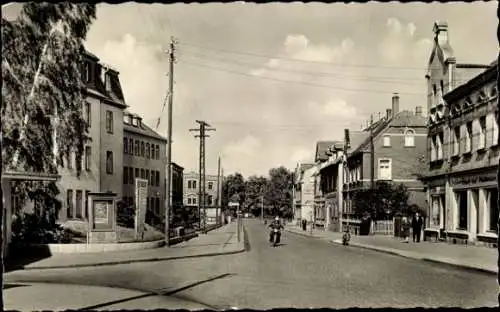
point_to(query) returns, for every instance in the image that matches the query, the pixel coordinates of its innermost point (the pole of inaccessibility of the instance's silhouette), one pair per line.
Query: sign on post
(141, 202)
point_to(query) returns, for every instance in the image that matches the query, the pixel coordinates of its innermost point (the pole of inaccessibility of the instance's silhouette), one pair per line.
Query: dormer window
(494, 92)
(468, 102)
(125, 119)
(135, 121)
(139, 122)
(107, 81)
(482, 96)
(87, 73)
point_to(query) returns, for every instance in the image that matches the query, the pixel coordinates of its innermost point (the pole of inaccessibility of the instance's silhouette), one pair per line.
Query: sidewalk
(58, 297)
(217, 242)
(470, 257)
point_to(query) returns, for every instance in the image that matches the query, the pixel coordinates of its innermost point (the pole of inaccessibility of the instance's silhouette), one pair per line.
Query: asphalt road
(303, 272)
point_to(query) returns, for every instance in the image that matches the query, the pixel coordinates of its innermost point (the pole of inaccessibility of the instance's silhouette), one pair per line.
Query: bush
(33, 229)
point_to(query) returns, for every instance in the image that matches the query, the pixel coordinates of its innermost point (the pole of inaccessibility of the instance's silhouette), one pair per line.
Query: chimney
(441, 32)
(388, 113)
(418, 111)
(395, 104)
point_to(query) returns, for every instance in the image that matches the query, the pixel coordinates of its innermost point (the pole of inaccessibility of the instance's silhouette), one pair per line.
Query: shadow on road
(9, 286)
(20, 256)
(159, 293)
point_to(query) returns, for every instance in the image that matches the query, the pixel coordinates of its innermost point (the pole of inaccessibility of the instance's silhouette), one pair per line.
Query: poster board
(141, 203)
(102, 217)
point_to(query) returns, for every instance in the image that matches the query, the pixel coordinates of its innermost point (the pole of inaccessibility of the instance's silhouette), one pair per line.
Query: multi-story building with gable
(103, 154)
(462, 146)
(191, 189)
(303, 192)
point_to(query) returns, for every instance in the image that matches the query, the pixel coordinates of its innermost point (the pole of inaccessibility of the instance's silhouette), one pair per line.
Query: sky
(274, 79)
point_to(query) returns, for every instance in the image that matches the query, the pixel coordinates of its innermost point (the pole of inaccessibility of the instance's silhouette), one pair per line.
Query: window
(109, 121)
(194, 184)
(131, 146)
(468, 137)
(157, 152)
(157, 178)
(148, 176)
(462, 210)
(88, 113)
(88, 157)
(410, 138)
(157, 208)
(69, 160)
(189, 184)
(69, 204)
(209, 200)
(384, 169)
(142, 149)
(434, 92)
(189, 201)
(493, 216)
(137, 173)
(143, 174)
(456, 141)
(439, 140)
(79, 204)
(109, 162)
(87, 74)
(495, 130)
(131, 175)
(210, 185)
(125, 175)
(435, 211)
(482, 133)
(387, 141)
(194, 201)
(137, 148)
(86, 205)
(125, 146)
(148, 151)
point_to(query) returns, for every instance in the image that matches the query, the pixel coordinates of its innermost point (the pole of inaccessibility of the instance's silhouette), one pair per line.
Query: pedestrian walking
(416, 224)
(304, 225)
(406, 229)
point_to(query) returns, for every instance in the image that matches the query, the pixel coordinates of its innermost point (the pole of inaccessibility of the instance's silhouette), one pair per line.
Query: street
(302, 272)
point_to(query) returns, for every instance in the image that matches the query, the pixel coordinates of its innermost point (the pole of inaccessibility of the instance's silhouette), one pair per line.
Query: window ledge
(468, 153)
(482, 149)
(410, 146)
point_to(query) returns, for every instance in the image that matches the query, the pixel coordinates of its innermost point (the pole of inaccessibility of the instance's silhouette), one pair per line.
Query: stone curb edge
(156, 259)
(405, 255)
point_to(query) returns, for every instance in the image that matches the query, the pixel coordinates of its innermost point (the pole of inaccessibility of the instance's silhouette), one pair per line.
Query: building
(180, 216)
(144, 158)
(103, 154)
(462, 146)
(320, 215)
(191, 189)
(399, 155)
(303, 188)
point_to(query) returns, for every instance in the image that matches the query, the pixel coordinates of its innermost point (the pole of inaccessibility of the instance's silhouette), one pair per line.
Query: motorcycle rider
(276, 224)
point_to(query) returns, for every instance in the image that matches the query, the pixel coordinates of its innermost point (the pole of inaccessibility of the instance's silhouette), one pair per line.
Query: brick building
(462, 146)
(144, 158)
(103, 154)
(399, 140)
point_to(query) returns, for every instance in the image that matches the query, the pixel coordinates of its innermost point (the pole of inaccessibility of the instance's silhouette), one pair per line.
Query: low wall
(101, 247)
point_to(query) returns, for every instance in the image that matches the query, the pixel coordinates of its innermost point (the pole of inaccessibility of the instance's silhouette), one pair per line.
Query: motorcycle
(275, 237)
(346, 237)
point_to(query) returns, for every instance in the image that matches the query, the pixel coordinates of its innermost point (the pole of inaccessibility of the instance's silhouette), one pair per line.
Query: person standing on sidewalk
(406, 229)
(416, 224)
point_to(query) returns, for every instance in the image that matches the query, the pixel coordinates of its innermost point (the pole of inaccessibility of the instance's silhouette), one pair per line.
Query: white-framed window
(468, 137)
(482, 133)
(386, 140)
(385, 169)
(189, 201)
(409, 138)
(210, 185)
(456, 141)
(436, 207)
(432, 147)
(495, 129)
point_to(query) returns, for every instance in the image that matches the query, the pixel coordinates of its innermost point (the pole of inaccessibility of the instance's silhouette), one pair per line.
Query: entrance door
(462, 210)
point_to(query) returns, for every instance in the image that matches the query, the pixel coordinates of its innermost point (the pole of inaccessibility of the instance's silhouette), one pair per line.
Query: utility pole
(347, 145)
(202, 191)
(168, 188)
(372, 156)
(218, 193)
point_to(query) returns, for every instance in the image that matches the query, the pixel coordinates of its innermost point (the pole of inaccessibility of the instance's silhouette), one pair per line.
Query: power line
(299, 60)
(380, 79)
(297, 82)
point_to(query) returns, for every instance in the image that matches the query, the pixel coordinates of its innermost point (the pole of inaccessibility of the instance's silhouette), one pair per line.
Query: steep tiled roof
(408, 119)
(304, 167)
(143, 129)
(321, 149)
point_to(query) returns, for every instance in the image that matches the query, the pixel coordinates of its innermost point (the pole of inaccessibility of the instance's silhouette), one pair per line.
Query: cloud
(394, 25)
(336, 108)
(246, 146)
(302, 156)
(411, 28)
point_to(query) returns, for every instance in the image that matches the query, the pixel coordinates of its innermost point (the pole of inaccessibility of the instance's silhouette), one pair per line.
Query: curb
(405, 254)
(240, 249)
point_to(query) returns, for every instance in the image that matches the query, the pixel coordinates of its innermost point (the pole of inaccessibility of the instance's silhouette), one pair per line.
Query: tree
(41, 78)
(254, 191)
(279, 192)
(233, 184)
(384, 201)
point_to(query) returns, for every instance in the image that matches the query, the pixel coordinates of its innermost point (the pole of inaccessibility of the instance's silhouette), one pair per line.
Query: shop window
(462, 210)
(493, 216)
